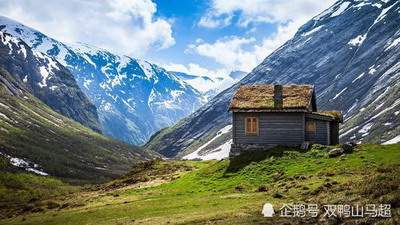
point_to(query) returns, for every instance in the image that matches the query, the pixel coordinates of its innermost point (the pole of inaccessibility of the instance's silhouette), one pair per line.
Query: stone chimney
(278, 96)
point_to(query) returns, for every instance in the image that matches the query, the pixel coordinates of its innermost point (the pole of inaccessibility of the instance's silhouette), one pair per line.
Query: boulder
(336, 152)
(347, 147)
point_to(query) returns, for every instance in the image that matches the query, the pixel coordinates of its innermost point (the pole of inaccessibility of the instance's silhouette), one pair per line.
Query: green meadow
(214, 192)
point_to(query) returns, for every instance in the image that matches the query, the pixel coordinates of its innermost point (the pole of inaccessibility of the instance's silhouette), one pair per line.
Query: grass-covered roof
(335, 114)
(261, 96)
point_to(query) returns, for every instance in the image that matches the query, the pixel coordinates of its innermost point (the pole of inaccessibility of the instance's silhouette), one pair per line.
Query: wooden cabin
(267, 115)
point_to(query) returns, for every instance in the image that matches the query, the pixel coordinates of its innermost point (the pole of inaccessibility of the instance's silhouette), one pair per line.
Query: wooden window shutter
(248, 125)
(251, 125)
(311, 126)
(254, 126)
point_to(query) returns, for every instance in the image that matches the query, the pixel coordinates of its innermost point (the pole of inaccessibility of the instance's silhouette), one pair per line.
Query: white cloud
(195, 69)
(123, 26)
(228, 52)
(212, 21)
(265, 11)
(236, 53)
(242, 53)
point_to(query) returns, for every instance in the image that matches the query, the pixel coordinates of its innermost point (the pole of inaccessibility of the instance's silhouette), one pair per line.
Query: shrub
(262, 188)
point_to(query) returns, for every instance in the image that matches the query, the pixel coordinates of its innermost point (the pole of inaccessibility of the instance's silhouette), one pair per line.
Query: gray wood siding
(321, 136)
(334, 132)
(274, 128)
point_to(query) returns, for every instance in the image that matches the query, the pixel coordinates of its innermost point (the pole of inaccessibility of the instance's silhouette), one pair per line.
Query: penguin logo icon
(268, 210)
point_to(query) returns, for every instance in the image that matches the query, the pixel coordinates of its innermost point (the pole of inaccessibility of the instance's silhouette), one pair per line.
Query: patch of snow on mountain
(338, 94)
(377, 5)
(324, 13)
(357, 41)
(312, 31)
(395, 104)
(118, 79)
(392, 141)
(86, 83)
(341, 9)
(348, 132)
(45, 74)
(372, 71)
(221, 152)
(84, 48)
(46, 70)
(359, 77)
(383, 14)
(146, 67)
(24, 164)
(196, 155)
(36, 171)
(23, 50)
(4, 116)
(394, 43)
(87, 58)
(361, 4)
(365, 129)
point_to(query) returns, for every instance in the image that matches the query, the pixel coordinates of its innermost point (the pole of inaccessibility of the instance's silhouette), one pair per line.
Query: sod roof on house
(336, 115)
(261, 97)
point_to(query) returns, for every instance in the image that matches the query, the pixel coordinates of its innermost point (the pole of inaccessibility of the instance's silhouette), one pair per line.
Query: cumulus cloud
(195, 69)
(212, 21)
(238, 53)
(245, 53)
(265, 11)
(228, 51)
(123, 26)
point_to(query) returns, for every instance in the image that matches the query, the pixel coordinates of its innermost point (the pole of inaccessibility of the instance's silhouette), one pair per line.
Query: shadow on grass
(239, 162)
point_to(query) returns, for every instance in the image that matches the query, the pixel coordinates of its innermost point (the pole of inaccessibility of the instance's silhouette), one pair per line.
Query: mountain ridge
(363, 32)
(134, 98)
(48, 80)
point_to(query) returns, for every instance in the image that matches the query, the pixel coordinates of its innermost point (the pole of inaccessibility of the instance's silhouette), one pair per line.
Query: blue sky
(186, 30)
(202, 37)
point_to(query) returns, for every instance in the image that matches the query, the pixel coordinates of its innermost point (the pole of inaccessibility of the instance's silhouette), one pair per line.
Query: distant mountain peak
(134, 97)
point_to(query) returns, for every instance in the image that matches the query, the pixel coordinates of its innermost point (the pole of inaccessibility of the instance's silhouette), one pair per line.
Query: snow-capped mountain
(47, 80)
(350, 52)
(37, 139)
(134, 98)
(210, 86)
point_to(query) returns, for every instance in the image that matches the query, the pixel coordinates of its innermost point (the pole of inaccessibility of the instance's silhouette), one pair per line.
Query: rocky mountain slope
(350, 52)
(47, 80)
(38, 139)
(134, 98)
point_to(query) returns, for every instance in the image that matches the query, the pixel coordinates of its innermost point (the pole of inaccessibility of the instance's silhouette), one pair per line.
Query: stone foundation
(237, 149)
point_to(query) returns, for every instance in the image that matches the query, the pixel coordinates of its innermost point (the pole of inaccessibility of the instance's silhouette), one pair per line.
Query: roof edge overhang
(318, 116)
(270, 110)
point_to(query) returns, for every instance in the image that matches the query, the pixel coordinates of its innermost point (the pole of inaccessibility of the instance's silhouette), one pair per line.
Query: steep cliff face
(134, 98)
(350, 52)
(47, 80)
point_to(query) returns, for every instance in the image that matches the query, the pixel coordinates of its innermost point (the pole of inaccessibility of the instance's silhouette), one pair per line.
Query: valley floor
(228, 191)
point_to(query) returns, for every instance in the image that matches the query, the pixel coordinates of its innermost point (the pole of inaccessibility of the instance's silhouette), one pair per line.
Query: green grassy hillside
(233, 191)
(59, 146)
